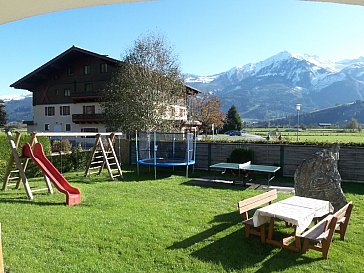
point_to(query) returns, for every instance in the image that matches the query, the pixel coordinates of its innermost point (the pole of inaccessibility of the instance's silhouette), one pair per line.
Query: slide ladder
(16, 167)
(103, 154)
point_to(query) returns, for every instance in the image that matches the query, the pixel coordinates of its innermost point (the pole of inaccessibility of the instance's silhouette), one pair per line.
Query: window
(46, 127)
(67, 93)
(70, 71)
(89, 130)
(88, 87)
(68, 127)
(173, 112)
(103, 68)
(64, 110)
(86, 69)
(89, 109)
(49, 111)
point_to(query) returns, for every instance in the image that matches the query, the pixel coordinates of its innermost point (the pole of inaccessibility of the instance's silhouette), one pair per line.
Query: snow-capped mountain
(272, 87)
(18, 107)
(17, 96)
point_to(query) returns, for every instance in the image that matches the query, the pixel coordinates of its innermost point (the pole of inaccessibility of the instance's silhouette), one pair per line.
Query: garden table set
(296, 211)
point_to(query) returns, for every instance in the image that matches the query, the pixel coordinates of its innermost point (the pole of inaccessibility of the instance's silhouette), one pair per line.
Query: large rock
(318, 177)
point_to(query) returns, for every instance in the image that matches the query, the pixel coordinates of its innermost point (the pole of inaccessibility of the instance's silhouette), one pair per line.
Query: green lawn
(314, 135)
(146, 225)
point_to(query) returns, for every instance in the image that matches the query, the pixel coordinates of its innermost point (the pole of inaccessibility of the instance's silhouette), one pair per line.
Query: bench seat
(246, 205)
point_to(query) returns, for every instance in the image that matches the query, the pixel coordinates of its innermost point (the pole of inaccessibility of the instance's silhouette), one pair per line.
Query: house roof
(39, 74)
(191, 90)
(27, 82)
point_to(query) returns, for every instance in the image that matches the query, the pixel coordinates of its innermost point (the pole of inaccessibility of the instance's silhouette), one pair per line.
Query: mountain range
(19, 107)
(340, 115)
(271, 88)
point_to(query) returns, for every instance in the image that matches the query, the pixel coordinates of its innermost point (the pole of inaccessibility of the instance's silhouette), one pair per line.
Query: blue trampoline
(165, 150)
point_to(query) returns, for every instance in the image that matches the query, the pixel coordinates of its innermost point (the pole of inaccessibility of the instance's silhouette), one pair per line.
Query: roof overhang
(350, 2)
(12, 10)
(51, 67)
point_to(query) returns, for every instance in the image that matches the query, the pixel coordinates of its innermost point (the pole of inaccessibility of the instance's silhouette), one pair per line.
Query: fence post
(130, 150)
(281, 157)
(208, 155)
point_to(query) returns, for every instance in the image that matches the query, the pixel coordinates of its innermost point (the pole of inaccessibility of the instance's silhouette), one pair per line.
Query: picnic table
(297, 211)
(248, 167)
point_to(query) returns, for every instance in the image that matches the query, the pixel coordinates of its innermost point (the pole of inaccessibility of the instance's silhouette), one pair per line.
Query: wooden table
(296, 211)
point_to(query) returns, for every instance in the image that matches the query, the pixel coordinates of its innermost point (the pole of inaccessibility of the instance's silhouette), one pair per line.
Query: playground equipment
(73, 195)
(51, 174)
(17, 173)
(103, 154)
(165, 150)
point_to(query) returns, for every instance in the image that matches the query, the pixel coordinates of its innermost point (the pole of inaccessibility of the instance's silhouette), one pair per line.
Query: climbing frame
(103, 155)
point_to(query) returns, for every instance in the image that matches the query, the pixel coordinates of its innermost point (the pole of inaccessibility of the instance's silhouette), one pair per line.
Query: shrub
(5, 152)
(241, 155)
(76, 160)
(63, 145)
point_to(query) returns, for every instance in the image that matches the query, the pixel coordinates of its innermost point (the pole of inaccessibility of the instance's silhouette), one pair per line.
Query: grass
(145, 225)
(315, 135)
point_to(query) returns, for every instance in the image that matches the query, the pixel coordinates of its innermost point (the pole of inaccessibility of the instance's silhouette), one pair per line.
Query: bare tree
(206, 108)
(145, 87)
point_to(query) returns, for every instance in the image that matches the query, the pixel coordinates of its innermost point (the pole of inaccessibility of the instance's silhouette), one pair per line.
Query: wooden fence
(287, 156)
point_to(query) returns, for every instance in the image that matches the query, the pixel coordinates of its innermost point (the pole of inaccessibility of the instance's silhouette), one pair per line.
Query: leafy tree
(2, 113)
(146, 86)
(206, 109)
(233, 120)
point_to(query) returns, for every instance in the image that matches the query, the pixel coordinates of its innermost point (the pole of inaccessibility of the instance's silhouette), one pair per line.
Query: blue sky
(209, 36)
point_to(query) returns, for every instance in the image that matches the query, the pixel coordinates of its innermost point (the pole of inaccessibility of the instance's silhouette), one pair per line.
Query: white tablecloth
(296, 210)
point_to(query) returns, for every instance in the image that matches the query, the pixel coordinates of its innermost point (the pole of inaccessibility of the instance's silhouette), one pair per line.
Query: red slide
(73, 195)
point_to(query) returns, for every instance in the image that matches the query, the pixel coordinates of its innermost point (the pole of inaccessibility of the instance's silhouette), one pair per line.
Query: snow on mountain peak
(312, 59)
(16, 96)
(285, 64)
(318, 61)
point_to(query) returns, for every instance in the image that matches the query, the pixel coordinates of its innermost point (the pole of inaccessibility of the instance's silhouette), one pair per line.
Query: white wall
(40, 119)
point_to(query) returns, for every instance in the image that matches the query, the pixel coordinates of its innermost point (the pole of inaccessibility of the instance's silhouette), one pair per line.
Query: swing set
(102, 155)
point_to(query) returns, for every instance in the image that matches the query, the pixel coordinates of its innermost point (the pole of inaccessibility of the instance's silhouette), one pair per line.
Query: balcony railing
(88, 118)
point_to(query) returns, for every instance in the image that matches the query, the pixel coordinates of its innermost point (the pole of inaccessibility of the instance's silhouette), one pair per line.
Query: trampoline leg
(155, 172)
(186, 171)
(138, 169)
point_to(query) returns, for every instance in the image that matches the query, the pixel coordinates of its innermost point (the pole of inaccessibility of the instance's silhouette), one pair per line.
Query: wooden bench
(343, 217)
(248, 204)
(319, 237)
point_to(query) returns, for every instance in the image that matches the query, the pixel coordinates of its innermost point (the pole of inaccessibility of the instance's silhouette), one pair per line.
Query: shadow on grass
(284, 259)
(18, 196)
(147, 172)
(206, 183)
(130, 174)
(235, 252)
(30, 202)
(225, 221)
(353, 188)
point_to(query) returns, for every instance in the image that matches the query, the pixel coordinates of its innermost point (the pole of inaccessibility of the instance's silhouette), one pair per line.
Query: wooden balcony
(88, 118)
(90, 98)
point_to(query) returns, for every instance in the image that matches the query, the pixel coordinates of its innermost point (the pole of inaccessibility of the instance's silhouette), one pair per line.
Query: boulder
(318, 177)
